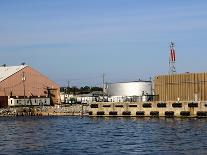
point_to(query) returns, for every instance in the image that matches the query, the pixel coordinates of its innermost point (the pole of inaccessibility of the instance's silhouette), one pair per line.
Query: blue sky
(78, 40)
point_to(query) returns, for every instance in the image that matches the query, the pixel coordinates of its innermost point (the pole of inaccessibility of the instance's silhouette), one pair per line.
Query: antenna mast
(172, 59)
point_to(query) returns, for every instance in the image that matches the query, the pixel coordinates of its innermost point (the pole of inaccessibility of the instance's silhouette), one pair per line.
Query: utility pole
(103, 85)
(23, 80)
(103, 82)
(68, 87)
(68, 92)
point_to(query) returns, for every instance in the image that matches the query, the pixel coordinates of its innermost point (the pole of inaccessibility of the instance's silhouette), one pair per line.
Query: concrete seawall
(149, 109)
(113, 109)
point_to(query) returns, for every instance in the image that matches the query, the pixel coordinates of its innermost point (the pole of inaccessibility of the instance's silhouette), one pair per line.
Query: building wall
(36, 84)
(184, 87)
(29, 102)
(3, 101)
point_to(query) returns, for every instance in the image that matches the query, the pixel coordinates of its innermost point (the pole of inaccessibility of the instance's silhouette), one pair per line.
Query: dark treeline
(81, 90)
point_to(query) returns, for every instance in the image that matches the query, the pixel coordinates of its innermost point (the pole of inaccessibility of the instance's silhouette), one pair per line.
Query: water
(76, 135)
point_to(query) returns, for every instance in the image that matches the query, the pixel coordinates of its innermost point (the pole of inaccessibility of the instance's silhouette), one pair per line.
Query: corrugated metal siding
(184, 86)
(35, 84)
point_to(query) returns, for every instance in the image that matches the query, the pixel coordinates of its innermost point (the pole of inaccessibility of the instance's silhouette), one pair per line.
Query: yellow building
(183, 87)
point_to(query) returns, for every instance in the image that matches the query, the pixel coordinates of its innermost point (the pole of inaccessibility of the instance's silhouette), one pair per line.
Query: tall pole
(103, 86)
(103, 83)
(23, 80)
(68, 87)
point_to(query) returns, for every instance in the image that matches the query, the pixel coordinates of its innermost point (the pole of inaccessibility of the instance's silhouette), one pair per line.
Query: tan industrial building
(181, 87)
(23, 80)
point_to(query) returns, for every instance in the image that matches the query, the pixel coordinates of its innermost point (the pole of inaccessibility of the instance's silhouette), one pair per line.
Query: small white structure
(34, 101)
(85, 98)
(92, 97)
(116, 99)
(65, 98)
(62, 97)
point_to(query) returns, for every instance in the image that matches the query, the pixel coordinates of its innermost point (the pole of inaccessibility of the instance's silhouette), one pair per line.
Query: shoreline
(72, 110)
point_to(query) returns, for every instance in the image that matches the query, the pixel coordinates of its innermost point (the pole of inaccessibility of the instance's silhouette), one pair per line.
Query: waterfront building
(24, 81)
(181, 87)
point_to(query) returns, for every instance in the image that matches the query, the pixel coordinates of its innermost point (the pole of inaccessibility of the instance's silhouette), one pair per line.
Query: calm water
(76, 135)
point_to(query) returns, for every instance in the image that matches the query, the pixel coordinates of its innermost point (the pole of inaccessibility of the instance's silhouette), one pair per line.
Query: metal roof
(129, 82)
(7, 71)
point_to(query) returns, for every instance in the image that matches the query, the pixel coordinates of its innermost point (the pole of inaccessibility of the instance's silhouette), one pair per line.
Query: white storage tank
(134, 88)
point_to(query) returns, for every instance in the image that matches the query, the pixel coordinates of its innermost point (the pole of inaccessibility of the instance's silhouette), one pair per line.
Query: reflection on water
(76, 135)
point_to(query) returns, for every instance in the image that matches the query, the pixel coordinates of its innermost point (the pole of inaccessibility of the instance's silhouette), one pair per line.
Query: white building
(92, 97)
(66, 98)
(34, 101)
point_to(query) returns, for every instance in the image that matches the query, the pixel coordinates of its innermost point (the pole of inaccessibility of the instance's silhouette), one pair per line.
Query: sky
(79, 40)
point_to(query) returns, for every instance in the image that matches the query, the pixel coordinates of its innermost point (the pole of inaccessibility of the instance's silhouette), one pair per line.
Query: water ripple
(76, 135)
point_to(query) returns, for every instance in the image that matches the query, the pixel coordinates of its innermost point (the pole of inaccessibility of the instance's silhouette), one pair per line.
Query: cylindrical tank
(135, 88)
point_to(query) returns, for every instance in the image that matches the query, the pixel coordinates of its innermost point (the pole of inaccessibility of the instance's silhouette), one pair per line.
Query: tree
(81, 90)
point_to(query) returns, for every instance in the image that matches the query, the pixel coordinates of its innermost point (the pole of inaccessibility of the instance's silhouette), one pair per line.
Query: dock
(149, 109)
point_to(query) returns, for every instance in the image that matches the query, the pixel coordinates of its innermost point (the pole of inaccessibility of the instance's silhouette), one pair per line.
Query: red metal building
(25, 81)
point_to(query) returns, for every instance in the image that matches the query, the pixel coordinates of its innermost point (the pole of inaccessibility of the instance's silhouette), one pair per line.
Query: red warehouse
(25, 81)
